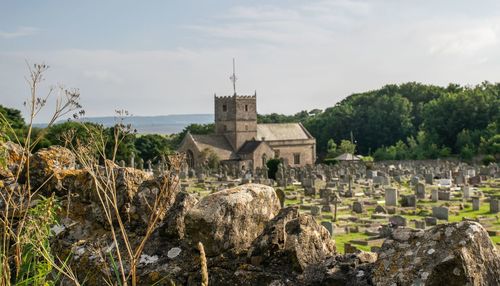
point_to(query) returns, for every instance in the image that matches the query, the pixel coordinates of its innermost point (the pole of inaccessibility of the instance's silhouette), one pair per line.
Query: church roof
(282, 131)
(249, 147)
(218, 143)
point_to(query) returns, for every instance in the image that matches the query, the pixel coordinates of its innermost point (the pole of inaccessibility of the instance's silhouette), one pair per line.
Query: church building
(239, 141)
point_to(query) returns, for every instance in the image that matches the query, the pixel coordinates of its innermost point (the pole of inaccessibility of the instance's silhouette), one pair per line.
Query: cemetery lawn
(342, 239)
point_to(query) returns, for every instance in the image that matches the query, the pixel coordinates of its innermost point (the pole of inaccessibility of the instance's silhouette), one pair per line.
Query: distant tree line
(396, 122)
(410, 121)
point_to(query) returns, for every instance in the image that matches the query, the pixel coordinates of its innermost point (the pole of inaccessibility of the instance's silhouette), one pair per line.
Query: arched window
(190, 158)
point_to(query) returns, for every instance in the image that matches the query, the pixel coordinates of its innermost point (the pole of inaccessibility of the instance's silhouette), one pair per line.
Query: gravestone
(391, 197)
(429, 179)
(325, 193)
(398, 220)
(281, 196)
(408, 201)
(494, 205)
(315, 210)
(430, 220)
(420, 191)
(467, 192)
(475, 203)
(444, 195)
(310, 191)
(459, 180)
(434, 195)
(329, 226)
(440, 212)
(357, 207)
(380, 209)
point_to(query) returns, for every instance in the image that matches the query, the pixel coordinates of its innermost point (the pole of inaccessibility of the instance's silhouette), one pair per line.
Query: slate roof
(282, 131)
(218, 143)
(249, 147)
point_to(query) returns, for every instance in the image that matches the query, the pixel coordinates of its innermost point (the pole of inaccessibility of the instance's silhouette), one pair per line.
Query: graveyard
(355, 202)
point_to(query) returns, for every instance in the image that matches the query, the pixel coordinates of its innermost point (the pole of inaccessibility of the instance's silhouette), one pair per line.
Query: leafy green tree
(347, 146)
(124, 146)
(13, 116)
(211, 158)
(152, 146)
(272, 166)
(12, 123)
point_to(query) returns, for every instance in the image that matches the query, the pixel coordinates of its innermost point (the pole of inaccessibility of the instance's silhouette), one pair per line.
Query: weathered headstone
(444, 195)
(430, 220)
(398, 220)
(310, 191)
(434, 195)
(440, 212)
(329, 226)
(315, 210)
(357, 207)
(429, 179)
(408, 201)
(380, 209)
(391, 197)
(420, 191)
(494, 205)
(467, 192)
(475, 204)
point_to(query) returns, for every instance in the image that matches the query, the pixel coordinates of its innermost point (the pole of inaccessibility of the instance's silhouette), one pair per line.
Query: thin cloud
(19, 32)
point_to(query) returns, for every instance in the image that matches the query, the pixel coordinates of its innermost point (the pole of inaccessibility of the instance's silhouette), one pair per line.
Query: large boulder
(231, 219)
(291, 240)
(449, 254)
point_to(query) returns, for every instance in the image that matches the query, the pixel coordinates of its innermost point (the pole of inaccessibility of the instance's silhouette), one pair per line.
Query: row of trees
(414, 121)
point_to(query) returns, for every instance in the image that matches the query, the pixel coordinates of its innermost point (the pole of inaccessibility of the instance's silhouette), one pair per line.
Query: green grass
(342, 239)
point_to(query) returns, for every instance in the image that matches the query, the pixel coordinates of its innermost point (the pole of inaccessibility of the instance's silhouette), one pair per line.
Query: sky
(157, 57)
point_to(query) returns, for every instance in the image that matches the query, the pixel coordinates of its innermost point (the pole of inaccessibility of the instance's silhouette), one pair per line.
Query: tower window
(225, 128)
(246, 127)
(296, 158)
(224, 108)
(246, 107)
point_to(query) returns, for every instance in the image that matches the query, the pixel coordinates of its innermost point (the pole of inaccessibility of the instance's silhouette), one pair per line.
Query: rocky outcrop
(174, 226)
(231, 219)
(248, 239)
(291, 240)
(12, 154)
(47, 164)
(449, 254)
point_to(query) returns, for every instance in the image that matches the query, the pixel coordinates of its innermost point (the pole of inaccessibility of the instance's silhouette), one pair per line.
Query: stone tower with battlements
(236, 118)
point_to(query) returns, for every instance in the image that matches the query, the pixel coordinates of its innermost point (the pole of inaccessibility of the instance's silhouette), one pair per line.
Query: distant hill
(161, 124)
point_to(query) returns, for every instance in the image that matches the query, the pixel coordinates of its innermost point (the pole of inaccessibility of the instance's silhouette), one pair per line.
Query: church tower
(236, 116)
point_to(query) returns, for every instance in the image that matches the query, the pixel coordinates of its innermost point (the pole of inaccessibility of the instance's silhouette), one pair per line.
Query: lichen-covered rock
(159, 193)
(449, 254)
(11, 156)
(174, 220)
(350, 269)
(231, 219)
(292, 239)
(47, 163)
